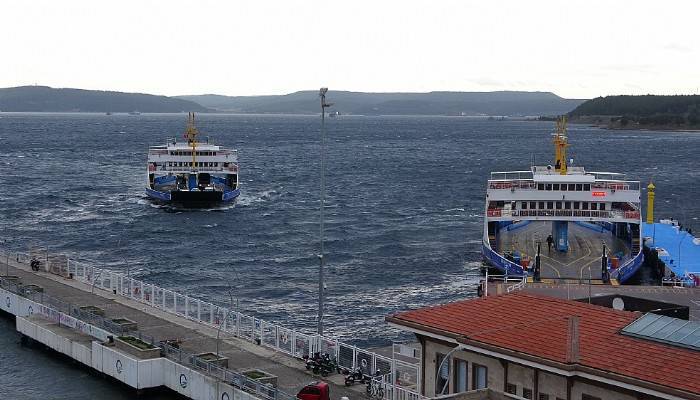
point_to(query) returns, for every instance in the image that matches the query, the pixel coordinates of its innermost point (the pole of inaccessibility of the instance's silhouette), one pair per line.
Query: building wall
(522, 376)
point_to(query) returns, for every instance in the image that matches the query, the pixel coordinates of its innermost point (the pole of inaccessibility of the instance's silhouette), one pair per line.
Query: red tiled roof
(538, 326)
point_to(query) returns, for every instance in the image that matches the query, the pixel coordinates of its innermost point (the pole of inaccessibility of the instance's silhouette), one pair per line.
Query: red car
(314, 391)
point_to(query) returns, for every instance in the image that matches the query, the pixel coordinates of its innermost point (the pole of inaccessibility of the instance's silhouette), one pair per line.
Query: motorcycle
(35, 264)
(356, 376)
(321, 364)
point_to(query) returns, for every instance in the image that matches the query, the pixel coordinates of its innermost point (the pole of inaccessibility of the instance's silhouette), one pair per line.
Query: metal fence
(286, 340)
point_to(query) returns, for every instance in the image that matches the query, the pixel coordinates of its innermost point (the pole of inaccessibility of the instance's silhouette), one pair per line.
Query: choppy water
(404, 205)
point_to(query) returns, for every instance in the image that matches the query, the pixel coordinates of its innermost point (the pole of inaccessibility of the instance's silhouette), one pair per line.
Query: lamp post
(228, 312)
(449, 373)
(322, 93)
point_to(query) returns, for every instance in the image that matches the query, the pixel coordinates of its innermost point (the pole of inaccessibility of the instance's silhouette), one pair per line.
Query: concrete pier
(47, 318)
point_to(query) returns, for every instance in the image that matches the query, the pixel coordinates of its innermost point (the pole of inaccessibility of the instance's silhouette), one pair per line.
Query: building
(545, 348)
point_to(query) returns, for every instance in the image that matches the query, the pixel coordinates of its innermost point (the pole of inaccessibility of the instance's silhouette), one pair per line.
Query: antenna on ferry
(560, 145)
(321, 284)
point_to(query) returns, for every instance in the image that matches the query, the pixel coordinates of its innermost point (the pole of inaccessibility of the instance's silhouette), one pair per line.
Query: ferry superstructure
(192, 173)
(561, 222)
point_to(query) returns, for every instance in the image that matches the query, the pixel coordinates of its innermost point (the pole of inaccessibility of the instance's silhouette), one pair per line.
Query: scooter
(356, 376)
(35, 264)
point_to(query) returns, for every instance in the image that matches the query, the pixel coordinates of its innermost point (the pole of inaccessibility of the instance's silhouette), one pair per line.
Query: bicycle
(375, 389)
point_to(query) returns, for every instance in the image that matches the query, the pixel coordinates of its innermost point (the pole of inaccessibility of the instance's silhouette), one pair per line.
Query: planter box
(126, 324)
(210, 357)
(260, 376)
(136, 347)
(93, 310)
(32, 288)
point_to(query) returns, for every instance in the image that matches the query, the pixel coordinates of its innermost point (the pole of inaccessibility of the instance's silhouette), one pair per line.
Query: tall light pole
(324, 105)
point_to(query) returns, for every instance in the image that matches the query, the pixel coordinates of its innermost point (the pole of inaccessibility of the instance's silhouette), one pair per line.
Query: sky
(576, 49)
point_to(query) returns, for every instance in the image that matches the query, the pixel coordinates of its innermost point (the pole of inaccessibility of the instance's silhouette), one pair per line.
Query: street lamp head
(323, 91)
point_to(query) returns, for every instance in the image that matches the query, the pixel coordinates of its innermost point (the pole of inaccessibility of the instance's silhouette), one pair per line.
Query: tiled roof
(538, 326)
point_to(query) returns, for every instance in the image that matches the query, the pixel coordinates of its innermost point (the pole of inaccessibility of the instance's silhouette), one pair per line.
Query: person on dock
(550, 242)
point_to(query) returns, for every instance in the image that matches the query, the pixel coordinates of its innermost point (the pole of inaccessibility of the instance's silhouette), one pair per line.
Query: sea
(404, 212)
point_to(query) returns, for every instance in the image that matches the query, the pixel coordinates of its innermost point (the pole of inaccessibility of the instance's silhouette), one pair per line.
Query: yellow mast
(560, 145)
(191, 135)
(650, 203)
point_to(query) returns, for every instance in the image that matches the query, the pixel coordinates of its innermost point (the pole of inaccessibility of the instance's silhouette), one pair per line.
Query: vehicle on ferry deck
(192, 173)
(593, 218)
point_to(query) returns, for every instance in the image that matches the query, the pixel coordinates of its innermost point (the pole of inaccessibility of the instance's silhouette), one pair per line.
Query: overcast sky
(576, 49)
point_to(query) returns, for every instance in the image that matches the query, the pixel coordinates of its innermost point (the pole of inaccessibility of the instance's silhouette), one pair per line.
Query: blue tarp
(681, 254)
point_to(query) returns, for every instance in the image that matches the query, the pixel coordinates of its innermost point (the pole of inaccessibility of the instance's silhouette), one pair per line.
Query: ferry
(192, 173)
(562, 223)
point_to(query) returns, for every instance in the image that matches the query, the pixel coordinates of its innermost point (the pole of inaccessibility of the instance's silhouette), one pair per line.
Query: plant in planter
(260, 376)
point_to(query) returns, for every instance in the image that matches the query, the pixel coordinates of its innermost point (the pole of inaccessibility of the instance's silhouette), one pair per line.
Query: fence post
(187, 306)
(199, 311)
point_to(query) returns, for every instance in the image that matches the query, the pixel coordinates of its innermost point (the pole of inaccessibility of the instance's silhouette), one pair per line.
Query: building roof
(538, 326)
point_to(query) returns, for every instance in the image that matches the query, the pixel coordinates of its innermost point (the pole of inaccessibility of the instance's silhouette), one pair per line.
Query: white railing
(277, 337)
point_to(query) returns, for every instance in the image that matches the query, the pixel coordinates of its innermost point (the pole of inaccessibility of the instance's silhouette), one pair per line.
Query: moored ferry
(192, 173)
(560, 222)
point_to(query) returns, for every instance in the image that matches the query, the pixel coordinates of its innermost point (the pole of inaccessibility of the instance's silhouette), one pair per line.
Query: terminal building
(538, 347)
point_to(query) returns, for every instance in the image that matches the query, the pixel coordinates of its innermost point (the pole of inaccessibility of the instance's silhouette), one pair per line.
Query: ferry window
(214, 153)
(579, 187)
(533, 205)
(527, 393)
(563, 186)
(479, 377)
(586, 187)
(567, 205)
(555, 186)
(550, 205)
(572, 187)
(602, 207)
(558, 205)
(584, 205)
(216, 164)
(523, 205)
(577, 205)
(594, 206)
(549, 186)
(541, 205)
(540, 186)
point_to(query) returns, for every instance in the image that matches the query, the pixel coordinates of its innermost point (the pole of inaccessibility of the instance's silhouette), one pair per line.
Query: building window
(540, 186)
(589, 397)
(442, 374)
(460, 383)
(527, 393)
(479, 377)
(543, 396)
(511, 389)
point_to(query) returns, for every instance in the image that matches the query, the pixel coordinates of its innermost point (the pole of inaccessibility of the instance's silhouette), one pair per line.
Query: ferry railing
(530, 184)
(274, 336)
(611, 214)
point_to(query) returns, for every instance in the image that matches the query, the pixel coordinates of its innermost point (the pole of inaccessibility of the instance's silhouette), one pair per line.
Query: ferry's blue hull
(194, 198)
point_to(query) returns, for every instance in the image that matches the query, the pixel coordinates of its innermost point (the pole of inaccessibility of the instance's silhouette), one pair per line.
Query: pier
(149, 337)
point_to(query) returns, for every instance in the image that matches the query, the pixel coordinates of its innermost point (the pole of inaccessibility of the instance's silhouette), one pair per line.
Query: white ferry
(561, 223)
(192, 173)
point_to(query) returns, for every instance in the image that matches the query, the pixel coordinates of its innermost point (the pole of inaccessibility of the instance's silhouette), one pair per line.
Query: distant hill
(47, 99)
(432, 103)
(645, 112)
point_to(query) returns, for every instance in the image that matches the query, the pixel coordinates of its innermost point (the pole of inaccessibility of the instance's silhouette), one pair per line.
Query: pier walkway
(155, 322)
(583, 257)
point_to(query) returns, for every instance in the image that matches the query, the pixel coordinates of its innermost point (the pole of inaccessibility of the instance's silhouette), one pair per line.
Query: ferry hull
(194, 198)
